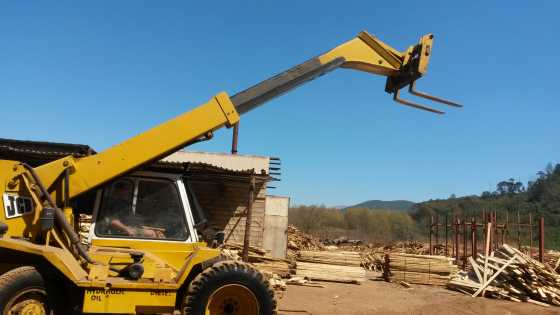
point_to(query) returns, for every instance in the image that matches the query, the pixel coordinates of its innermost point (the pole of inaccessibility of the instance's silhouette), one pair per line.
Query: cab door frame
(177, 180)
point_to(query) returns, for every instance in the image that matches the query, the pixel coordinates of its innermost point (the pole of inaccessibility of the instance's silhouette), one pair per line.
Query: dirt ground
(379, 297)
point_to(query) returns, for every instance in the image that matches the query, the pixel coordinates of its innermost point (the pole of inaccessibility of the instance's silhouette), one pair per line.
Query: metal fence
(464, 236)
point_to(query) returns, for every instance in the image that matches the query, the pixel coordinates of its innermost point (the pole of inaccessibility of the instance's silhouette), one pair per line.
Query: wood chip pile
(419, 269)
(511, 275)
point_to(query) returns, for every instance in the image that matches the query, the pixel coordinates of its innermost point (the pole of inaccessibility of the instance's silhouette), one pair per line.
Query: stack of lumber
(509, 274)
(334, 273)
(337, 266)
(343, 258)
(281, 267)
(418, 269)
(373, 257)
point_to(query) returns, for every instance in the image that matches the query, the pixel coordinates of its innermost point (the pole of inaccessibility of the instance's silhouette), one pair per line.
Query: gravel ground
(378, 297)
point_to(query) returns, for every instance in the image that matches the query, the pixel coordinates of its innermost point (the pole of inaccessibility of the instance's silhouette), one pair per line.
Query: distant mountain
(339, 207)
(399, 205)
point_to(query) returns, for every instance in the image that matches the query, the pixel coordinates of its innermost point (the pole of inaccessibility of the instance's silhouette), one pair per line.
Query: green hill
(398, 205)
(541, 197)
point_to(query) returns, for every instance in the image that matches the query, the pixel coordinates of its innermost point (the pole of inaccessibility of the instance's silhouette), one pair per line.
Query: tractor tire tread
(200, 282)
(9, 277)
(14, 278)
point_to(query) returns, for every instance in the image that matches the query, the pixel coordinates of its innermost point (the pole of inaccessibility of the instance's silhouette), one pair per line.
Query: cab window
(142, 208)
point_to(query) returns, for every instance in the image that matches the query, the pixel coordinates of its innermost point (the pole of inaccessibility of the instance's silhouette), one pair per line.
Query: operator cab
(145, 206)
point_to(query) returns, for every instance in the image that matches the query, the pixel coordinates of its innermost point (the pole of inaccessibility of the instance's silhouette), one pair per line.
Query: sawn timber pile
(511, 275)
(341, 258)
(373, 257)
(338, 266)
(418, 269)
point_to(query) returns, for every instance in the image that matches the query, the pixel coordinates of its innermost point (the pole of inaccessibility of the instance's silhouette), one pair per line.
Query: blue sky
(100, 72)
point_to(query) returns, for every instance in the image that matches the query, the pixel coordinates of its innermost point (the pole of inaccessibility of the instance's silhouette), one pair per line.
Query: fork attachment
(412, 90)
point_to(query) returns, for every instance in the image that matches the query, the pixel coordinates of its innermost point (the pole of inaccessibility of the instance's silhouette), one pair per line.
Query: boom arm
(364, 53)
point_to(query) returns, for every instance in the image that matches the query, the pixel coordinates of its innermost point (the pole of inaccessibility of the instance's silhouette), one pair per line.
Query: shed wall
(225, 203)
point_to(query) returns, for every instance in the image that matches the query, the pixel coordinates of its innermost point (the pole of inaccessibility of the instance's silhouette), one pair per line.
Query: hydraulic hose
(59, 216)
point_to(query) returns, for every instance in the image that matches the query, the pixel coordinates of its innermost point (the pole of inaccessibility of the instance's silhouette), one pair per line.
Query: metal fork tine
(397, 99)
(412, 90)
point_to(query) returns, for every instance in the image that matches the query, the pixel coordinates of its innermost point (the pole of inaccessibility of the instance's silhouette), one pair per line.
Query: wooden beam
(486, 283)
(486, 253)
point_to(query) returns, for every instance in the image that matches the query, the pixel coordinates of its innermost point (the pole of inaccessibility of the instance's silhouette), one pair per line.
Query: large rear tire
(22, 292)
(229, 288)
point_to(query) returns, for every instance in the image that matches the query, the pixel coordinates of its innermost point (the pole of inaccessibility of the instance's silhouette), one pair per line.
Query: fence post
(473, 237)
(457, 240)
(541, 239)
(465, 254)
(437, 231)
(431, 231)
(518, 231)
(530, 235)
(446, 250)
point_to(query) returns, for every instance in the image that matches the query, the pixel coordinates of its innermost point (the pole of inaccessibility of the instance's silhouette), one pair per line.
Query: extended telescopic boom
(364, 53)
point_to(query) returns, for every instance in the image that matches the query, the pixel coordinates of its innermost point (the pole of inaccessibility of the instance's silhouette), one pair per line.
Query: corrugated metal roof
(204, 170)
(234, 162)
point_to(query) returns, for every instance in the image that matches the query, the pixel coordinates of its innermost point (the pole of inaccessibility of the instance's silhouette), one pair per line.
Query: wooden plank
(486, 250)
(537, 303)
(475, 268)
(333, 279)
(486, 283)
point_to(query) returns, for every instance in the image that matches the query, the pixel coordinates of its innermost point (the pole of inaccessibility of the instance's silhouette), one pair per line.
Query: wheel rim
(30, 301)
(232, 299)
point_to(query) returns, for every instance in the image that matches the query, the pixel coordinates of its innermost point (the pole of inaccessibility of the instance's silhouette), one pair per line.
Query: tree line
(370, 225)
(540, 197)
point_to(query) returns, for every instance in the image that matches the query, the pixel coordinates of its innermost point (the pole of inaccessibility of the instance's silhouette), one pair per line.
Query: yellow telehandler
(145, 256)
